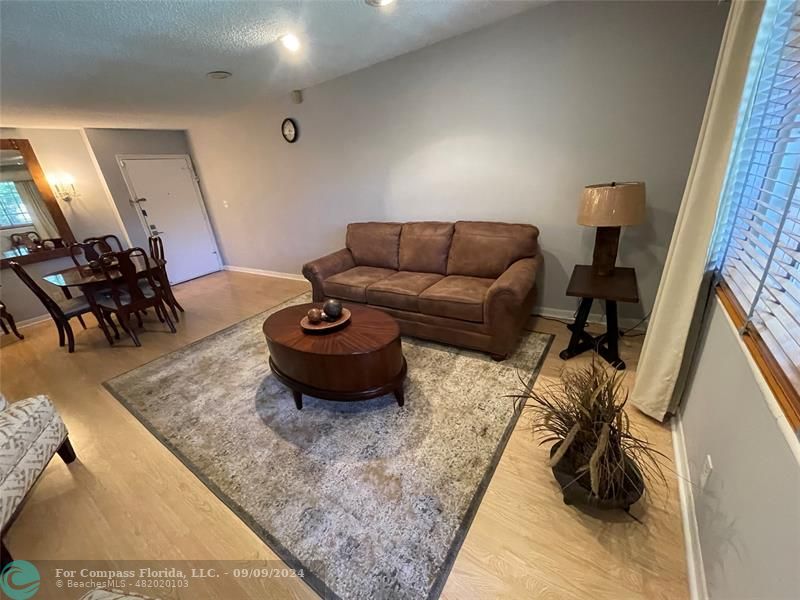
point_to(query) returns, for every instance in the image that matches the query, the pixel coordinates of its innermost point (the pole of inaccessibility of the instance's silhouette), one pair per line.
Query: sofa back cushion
(374, 244)
(424, 246)
(482, 249)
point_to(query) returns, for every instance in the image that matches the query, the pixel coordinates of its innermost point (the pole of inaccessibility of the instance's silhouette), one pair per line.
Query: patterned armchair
(31, 432)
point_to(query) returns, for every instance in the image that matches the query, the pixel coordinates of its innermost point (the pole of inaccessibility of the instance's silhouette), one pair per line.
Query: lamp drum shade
(612, 204)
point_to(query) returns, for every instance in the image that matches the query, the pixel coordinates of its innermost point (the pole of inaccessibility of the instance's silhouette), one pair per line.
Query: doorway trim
(121, 158)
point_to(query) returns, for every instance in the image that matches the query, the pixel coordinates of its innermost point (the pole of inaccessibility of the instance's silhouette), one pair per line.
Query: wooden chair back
(90, 251)
(78, 250)
(125, 278)
(157, 248)
(105, 242)
(25, 238)
(52, 307)
(53, 243)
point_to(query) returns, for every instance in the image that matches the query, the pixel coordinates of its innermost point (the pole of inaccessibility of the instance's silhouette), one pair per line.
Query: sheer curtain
(42, 219)
(685, 283)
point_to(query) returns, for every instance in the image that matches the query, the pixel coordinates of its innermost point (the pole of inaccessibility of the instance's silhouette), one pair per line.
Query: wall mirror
(32, 226)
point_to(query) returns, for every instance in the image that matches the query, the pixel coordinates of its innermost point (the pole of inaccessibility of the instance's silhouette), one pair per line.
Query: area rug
(371, 500)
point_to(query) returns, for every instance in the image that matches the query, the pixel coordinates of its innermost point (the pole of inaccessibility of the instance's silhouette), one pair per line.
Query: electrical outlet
(708, 466)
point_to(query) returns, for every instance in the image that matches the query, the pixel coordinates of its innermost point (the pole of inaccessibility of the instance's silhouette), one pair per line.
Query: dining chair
(90, 251)
(25, 238)
(53, 243)
(61, 311)
(157, 253)
(103, 242)
(132, 292)
(96, 250)
(7, 321)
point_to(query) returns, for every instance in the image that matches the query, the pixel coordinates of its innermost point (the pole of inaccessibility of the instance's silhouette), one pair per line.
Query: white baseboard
(569, 315)
(262, 272)
(33, 321)
(691, 534)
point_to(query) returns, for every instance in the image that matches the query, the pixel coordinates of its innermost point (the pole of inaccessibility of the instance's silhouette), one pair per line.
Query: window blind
(756, 250)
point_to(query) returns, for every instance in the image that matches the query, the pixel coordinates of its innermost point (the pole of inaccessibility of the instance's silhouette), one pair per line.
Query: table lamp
(609, 206)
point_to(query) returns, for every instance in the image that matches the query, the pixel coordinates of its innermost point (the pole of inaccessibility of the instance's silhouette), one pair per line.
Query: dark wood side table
(619, 286)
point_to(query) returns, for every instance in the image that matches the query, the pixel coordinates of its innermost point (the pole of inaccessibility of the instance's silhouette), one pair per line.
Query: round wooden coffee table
(362, 360)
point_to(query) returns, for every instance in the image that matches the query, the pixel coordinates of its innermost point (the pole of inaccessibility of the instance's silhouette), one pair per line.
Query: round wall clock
(289, 130)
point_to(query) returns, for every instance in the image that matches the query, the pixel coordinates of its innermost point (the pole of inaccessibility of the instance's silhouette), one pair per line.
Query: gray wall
(65, 151)
(106, 144)
(92, 212)
(749, 513)
(507, 122)
(89, 213)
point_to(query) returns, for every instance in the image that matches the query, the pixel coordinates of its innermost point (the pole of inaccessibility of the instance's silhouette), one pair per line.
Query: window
(13, 212)
(756, 249)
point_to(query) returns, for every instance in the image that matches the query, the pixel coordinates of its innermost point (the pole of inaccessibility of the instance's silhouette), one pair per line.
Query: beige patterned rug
(370, 499)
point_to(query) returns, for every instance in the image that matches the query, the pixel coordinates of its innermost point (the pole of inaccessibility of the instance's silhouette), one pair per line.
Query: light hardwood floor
(128, 497)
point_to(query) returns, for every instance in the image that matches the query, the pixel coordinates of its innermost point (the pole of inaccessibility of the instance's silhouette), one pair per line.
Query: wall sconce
(63, 185)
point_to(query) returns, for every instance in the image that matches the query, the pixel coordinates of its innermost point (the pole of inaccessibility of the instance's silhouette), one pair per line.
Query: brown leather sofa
(469, 283)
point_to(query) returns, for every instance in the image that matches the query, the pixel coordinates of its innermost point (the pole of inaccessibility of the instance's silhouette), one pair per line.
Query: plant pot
(575, 492)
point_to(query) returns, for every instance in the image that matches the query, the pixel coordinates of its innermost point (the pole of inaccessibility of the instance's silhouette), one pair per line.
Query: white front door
(169, 203)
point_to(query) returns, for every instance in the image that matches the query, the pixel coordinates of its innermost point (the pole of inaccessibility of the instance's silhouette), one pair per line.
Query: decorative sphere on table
(314, 316)
(332, 309)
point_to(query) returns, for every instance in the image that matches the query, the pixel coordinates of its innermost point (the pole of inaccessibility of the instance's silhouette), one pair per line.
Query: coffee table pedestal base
(299, 389)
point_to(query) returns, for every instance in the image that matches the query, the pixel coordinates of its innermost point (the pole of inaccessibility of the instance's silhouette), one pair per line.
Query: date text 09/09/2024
(175, 573)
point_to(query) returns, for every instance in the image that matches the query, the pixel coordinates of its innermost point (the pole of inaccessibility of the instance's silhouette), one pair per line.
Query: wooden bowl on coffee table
(360, 361)
(326, 326)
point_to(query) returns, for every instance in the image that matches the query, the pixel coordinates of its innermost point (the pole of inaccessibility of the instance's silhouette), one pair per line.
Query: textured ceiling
(86, 63)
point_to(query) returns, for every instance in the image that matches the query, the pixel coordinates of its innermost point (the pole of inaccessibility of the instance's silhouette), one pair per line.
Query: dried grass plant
(585, 411)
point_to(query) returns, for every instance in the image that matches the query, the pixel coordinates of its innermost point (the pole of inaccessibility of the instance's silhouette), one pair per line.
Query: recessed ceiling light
(379, 3)
(291, 42)
(218, 74)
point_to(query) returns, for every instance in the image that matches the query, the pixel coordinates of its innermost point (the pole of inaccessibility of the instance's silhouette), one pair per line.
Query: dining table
(90, 281)
(86, 278)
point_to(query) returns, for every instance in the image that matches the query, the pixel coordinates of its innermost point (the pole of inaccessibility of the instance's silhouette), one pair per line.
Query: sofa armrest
(509, 300)
(513, 286)
(319, 270)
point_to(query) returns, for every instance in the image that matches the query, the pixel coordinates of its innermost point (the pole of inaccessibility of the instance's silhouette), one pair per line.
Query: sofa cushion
(456, 297)
(352, 284)
(424, 246)
(487, 249)
(401, 290)
(374, 244)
